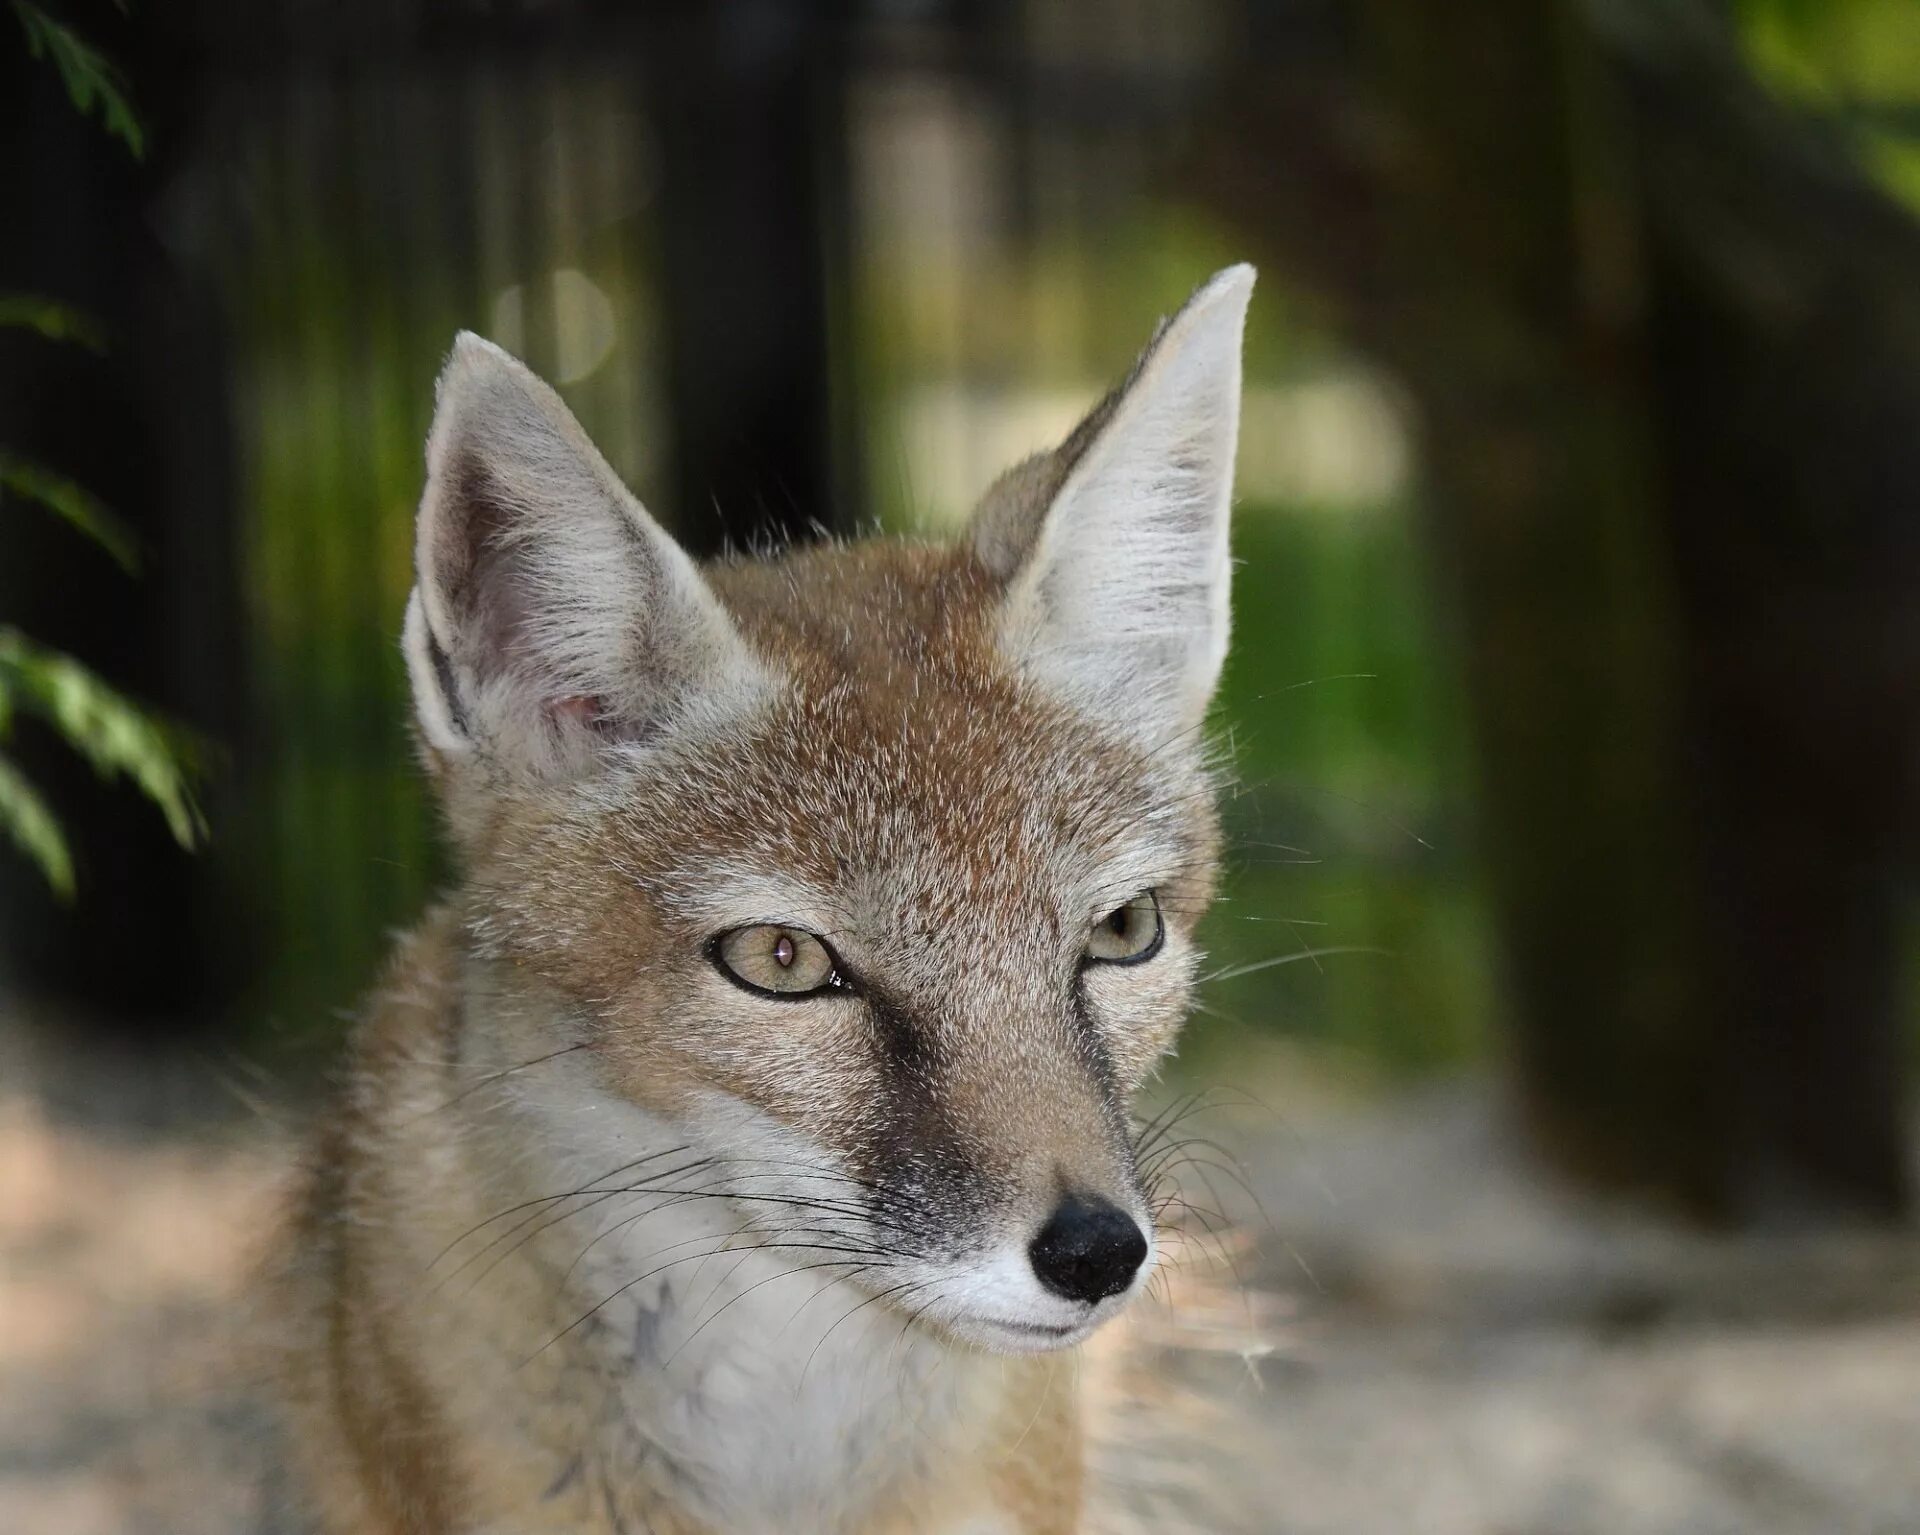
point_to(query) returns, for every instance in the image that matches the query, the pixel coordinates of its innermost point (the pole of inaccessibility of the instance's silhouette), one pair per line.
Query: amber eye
(781, 961)
(1128, 934)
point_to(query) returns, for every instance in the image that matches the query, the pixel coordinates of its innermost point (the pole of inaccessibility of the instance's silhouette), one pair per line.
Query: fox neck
(744, 1369)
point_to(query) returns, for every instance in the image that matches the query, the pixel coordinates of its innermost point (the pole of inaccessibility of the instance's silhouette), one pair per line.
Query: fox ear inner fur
(550, 613)
(1114, 547)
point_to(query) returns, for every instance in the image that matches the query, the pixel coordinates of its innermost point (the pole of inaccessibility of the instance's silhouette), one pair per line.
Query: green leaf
(90, 78)
(78, 507)
(118, 737)
(30, 826)
(52, 319)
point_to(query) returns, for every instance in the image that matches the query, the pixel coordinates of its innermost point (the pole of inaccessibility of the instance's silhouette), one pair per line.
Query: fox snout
(1015, 1190)
(1045, 1288)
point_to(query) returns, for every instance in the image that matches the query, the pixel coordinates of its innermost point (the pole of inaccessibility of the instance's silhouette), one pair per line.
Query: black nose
(1088, 1249)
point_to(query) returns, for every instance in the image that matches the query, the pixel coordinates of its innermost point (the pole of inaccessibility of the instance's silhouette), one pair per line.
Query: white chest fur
(752, 1381)
(781, 1398)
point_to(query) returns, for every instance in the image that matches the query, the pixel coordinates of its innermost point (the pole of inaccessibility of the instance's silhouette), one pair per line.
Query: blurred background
(1569, 943)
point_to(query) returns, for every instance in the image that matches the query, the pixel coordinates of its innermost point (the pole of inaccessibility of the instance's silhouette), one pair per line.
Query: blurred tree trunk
(754, 225)
(1664, 342)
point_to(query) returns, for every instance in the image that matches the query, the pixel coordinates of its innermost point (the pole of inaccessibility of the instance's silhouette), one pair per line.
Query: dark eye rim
(837, 983)
(1087, 960)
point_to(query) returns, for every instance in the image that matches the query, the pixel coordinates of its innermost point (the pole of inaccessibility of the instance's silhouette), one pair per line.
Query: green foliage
(51, 319)
(118, 737)
(78, 507)
(1854, 62)
(93, 83)
(30, 825)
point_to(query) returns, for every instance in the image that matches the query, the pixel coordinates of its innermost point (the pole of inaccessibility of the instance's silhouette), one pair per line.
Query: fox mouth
(1035, 1329)
(1022, 1321)
(1010, 1335)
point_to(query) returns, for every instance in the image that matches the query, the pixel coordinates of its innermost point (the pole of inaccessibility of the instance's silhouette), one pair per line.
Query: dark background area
(1577, 670)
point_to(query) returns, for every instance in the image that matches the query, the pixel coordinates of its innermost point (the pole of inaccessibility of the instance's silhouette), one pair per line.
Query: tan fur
(596, 1240)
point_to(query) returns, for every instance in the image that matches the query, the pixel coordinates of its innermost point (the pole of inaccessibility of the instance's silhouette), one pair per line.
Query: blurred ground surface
(1475, 1353)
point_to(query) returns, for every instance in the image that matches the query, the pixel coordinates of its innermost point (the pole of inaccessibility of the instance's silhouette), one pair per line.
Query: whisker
(735, 1300)
(599, 1197)
(607, 1300)
(1234, 972)
(493, 1077)
(547, 1199)
(878, 1295)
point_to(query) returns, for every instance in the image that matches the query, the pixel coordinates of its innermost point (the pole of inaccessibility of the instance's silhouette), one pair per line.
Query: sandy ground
(123, 1257)
(1417, 1336)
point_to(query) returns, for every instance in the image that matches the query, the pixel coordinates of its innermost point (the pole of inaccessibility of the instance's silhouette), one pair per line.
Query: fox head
(869, 870)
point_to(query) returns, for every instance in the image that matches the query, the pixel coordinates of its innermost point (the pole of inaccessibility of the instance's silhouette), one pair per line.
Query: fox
(743, 1145)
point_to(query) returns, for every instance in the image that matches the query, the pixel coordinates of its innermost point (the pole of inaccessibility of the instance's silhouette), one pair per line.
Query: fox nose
(1088, 1249)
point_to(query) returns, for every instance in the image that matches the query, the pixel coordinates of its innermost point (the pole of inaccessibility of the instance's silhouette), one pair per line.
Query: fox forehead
(901, 768)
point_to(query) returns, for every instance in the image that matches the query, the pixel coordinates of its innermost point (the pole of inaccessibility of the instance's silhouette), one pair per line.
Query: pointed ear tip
(469, 342)
(477, 370)
(1216, 315)
(1231, 287)
(473, 353)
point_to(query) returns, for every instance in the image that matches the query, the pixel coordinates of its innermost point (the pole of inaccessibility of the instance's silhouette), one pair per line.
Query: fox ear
(1114, 548)
(550, 614)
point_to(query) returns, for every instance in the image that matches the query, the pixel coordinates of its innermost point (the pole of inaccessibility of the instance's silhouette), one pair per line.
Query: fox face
(865, 875)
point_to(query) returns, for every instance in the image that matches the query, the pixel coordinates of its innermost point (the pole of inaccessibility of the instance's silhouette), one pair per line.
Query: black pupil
(783, 951)
(1119, 920)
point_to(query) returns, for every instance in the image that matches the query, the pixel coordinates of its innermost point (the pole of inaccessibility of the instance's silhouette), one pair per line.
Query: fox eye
(779, 961)
(1129, 934)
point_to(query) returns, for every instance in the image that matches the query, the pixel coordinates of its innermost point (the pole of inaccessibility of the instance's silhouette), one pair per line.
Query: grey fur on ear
(1114, 549)
(549, 611)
